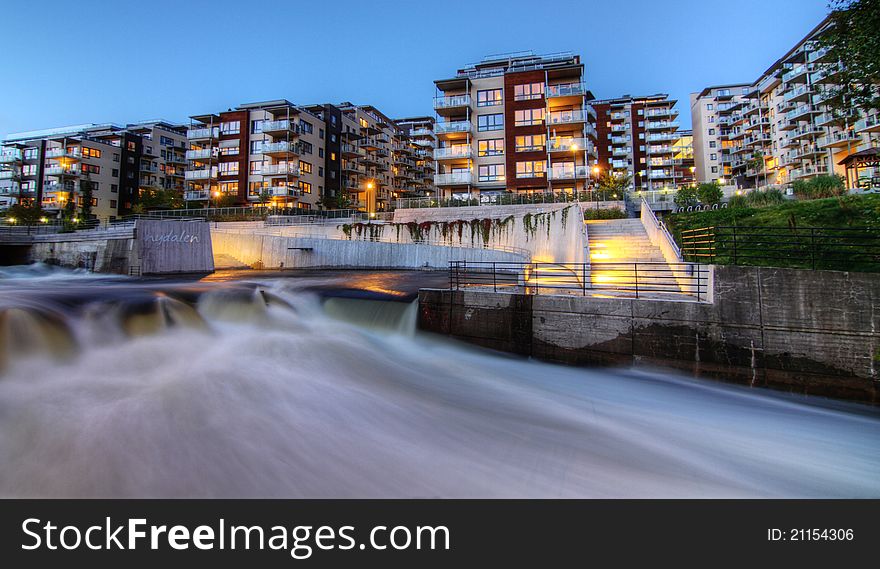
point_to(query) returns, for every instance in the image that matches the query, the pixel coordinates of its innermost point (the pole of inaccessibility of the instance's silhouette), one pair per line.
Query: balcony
(798, 74)
(196, 195)
(200, 154)
(618, 140)
(421, 132)
(818, 55)
(869, 124)
(805, 132)
(565, 90)
(280, 128)
(205, 174)
(452, 153)
(662, 125)
(451, 103)
(204, 133)
(568, 144)
(10, 157)
(568, 172)
(284, 192)
(661, 113)
(149, 167)
(350, 151)
(662, 136)
(10, 189)
(567, 117)
(826, 74)
(452, 127)
(71, 153)
(61, 171)
(13, 174)
(619, 127)
(453, 179)
(281, 148)
(660, 174)
(839, 139)
(620, 152)
(800, 112)
(799, 95)
(655, 150)
(175, 158)
(279, 170)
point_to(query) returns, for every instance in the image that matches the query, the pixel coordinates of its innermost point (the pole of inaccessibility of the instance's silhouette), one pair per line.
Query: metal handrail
(674, 281)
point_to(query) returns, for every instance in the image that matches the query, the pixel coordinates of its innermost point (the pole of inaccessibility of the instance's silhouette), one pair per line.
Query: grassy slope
(861, 212)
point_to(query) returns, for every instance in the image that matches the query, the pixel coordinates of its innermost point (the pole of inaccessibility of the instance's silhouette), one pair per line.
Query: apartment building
(516, 122)
(711, 112)
(684, 168)
(310, 157)
(636, 138)
(414, 156)
(778, 130)
(163, 162)
(53, 167)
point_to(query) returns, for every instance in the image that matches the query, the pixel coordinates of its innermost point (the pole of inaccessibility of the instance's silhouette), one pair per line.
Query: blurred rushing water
(128, 388)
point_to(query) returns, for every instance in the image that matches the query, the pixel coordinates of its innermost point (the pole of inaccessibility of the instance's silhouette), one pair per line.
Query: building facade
(711, 112)
(310, 157)
(414, 156)
(514, 123)
(637, 138)
(777, 130)
(56, 167)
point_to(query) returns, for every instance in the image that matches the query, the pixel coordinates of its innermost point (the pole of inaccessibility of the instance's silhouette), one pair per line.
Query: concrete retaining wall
(275, 251)
(422, 214)
(99, 255)
(812, 332)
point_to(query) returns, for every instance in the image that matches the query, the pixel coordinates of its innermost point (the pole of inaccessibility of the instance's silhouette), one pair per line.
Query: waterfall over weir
(314, 387)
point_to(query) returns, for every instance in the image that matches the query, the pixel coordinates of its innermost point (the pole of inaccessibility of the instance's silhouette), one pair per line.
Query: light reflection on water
(216, 389)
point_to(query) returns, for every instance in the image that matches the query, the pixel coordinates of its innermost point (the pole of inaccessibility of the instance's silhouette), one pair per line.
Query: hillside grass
(791, 245)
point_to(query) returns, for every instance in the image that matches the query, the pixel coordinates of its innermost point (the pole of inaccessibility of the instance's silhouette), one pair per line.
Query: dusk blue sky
(88, 61)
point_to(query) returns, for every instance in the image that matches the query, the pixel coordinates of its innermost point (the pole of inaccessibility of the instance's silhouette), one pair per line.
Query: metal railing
(511, 198)
(671, 281)
(826, 248)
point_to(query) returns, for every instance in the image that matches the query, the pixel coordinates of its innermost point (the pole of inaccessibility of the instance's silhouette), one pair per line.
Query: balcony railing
(283, 126)
(282, 147)
(196, 195)
(452, 127)
(279, 170)
(568, 144)
(200, 133)
(284, 191)
(868, 124)
(663, 136)
(452, 101)
(10, 156)
(663, 125)
(452, 153)
(839, 138)
(10, 189)
(61, 171)
(565, 90)
(64, 153)
(567, 117)
(568, 172)
(200, 154)
(457, 178)
(421, 132)
(206, 174)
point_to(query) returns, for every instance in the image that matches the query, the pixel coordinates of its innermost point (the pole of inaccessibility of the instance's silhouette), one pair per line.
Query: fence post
(584, 278)
(734, 246)
(636, 279)
(536, 278)
(494, 278)
(813, 247)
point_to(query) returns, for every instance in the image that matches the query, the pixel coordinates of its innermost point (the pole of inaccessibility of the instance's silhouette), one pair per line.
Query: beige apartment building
(514, 123)
(711, 112)
(310, 157)
(163, 162)
(54, 167)
(777, 130)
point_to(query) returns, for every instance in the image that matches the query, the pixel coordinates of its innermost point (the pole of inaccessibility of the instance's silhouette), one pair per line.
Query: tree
(87, 195)
(155, 197)
(710, 193)
(265, 196)
(686, 196)
(853, 41)
(25, 214)
(610, 182)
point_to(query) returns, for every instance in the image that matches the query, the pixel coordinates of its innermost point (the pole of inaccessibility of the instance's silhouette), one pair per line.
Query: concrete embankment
(148, 247)
(814, 332)
(232, 248)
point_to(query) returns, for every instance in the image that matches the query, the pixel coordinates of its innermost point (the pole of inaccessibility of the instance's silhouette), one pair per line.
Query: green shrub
(738, 202)
(765, 198)
(826, 186)
(685, 197)
(609, 213)
(710, 193)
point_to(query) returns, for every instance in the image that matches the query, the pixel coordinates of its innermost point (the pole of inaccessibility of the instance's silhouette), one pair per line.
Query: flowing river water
(319, 386)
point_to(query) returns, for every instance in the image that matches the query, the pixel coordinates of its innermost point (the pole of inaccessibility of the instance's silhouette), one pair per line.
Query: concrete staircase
(625, 241)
